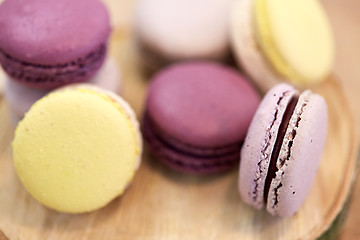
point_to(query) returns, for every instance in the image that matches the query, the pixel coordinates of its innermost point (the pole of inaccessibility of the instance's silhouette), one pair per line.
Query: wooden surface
(162, 204)
(166, 205)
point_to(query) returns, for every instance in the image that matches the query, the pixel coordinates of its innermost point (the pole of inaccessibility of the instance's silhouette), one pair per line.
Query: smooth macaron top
(184, 29)
(50, 31)
(202, 103)
(295, 38)
(77, 148)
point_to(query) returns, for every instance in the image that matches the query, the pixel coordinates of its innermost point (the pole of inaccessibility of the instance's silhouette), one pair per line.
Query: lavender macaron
(197, 115)
(50, 43)
(282, 150)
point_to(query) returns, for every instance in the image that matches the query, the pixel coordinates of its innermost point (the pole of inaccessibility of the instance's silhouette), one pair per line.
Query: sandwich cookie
(77, 148)
(277, 40)
(197, 115)
(282, 150)
(170, 31)
(48, 43)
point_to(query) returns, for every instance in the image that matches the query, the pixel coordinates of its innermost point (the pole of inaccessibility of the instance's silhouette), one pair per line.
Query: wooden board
(162, 204)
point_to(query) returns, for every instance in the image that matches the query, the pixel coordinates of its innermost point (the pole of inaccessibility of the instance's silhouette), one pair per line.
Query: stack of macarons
(46, 44)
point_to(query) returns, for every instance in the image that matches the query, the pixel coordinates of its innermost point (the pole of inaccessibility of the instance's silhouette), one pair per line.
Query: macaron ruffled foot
(282, 150)
(65, 41)
(197, 115)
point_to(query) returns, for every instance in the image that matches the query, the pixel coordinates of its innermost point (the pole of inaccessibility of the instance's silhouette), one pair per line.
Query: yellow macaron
(77, 148)
(292, 40)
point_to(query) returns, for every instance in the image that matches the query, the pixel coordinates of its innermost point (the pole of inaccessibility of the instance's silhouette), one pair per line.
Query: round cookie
(197, 115)
(77, 148)
(278, 40)
(65, 41)
(169, 31)
(282, 150)
(20, 97)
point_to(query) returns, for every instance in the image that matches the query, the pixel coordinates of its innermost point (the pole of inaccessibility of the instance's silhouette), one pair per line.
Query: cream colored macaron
(277, 40)
(77, 148)
(171, 31)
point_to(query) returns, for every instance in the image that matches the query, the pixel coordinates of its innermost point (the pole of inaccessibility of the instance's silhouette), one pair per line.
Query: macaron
(49, 43)
(77, 148)
(282, 150)
(197, 115)
(170, 31)
(20, 97)
(280, 40)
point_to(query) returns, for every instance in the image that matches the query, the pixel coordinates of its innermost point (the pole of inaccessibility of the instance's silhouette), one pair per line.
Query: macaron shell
(299, 157)
(295, 36)
(20, 97)
(68, 164)
(128, 111)
(246, 49)
(259, 143)
(203, 104)
(59, 31)
(184, 29)
(181, 158)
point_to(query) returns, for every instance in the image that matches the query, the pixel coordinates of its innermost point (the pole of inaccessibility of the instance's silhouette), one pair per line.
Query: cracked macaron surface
(282, 150)
(48, 43)
(197, 115)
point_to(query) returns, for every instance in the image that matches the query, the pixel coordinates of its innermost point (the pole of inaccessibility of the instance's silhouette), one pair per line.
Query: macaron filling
(183, 155)
(51, 76)
(278, 143)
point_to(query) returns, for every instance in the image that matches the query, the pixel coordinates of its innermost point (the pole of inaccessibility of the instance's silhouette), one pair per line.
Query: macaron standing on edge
(197, 115)
(282, 150)
(63, 43)
(77, 148)
(171, 31)
(280, 40)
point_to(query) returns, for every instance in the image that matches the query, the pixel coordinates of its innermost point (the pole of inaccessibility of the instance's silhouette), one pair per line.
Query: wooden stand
(163, 205)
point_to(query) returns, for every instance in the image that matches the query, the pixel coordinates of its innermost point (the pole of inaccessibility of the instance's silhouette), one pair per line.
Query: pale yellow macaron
(276, 40)
(77, 148)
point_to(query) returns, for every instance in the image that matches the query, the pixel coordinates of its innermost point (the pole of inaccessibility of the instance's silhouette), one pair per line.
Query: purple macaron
(197, 115)
(50, 43)
(282, 150)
